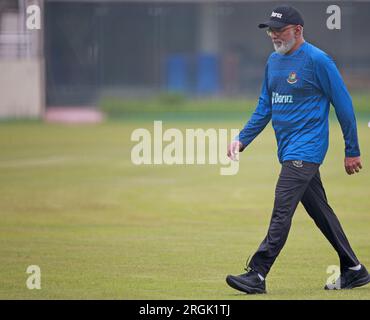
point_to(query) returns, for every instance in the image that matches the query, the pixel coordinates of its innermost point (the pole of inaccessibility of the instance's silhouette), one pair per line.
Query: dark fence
(128, 49)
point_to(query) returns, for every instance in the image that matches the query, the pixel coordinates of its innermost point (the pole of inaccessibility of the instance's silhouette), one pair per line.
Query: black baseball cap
(283, 16)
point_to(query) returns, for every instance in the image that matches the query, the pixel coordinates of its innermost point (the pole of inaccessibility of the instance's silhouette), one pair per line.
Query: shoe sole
(233, 283)
(358, 283)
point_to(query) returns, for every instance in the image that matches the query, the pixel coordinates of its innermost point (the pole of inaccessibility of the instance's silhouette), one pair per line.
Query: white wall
(22, 92)
(21, 88)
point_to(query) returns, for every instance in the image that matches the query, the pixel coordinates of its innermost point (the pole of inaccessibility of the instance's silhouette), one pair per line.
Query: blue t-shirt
(296, 94)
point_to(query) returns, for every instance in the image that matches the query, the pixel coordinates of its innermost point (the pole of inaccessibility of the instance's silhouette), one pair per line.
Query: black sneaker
(350, 279)
(248, 282)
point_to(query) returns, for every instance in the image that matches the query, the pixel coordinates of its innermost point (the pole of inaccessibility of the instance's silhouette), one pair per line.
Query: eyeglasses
(278, 32)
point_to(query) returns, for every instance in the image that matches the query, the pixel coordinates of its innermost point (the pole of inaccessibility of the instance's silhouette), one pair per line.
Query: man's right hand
(233, 149)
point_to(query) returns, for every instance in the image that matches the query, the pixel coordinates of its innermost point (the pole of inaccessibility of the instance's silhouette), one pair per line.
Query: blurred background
(73, 203)
(95, 54)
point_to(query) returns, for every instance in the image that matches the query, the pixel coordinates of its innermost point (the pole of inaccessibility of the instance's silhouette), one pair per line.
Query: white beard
(284, 47)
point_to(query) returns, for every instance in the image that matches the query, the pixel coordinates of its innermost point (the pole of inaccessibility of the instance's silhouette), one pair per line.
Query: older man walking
(300, 83)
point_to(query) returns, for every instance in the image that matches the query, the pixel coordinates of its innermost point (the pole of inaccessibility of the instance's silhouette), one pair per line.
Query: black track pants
(300, 181)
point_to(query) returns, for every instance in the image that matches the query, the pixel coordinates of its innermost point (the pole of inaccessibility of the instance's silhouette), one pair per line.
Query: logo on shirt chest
(292, 78)
(281, 98)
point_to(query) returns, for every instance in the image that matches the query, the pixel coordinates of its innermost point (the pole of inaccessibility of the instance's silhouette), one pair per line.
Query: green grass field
(100, 227)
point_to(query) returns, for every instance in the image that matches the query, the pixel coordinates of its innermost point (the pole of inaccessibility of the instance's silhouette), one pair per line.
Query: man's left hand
(352, 164)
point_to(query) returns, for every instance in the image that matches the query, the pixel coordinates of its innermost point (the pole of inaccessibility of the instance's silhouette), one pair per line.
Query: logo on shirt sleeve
(292, 78)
